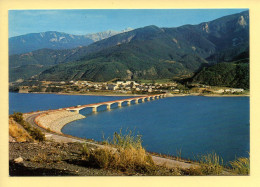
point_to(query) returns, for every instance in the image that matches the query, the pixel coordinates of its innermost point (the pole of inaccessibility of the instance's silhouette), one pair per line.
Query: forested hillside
(145, 53)
(231, 74)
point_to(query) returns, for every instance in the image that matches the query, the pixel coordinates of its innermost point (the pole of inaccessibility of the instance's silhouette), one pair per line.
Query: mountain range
(55, 40)
(144, 53)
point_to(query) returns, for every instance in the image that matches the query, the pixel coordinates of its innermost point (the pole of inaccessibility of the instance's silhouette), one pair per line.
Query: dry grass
(193, 171)
(241, 166)
(124, 159)
(40, 157)
(211, 164)
(124, 153)
(18, 133)
(34, 132)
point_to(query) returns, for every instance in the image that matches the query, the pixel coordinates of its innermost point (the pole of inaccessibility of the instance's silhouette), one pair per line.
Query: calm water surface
(193, 125)
(19, 102)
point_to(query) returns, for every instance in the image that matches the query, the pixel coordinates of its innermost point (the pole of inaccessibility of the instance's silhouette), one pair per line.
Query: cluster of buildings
(123, 87)
(201, 88)
(88, 86)
(229, 90)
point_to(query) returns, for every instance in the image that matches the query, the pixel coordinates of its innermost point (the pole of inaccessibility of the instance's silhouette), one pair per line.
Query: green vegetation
(34, 132)
(25, 72)
(183, 88)
(230, 74)
(42, 57)
(236, 53)
(159, 81)
(55, 89)
(148, 53)
(126, 62)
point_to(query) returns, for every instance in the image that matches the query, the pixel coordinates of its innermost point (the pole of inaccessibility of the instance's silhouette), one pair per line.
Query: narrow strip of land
(52, 136)
(51, 122)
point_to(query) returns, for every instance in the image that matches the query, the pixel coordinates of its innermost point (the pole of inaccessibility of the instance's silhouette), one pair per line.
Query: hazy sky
(91, 21)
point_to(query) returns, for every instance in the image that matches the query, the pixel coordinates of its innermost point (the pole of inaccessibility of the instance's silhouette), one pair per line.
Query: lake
(192, 125)
(22, 102)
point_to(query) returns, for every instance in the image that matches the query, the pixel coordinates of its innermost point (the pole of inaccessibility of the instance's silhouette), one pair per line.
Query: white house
(112, 87)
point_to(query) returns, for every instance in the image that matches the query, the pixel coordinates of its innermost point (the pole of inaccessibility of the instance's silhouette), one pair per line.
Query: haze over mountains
(144, 53)
(55, 40)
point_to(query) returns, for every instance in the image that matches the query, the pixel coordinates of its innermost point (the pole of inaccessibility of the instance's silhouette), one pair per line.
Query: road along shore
(46, 120)
(56, 120)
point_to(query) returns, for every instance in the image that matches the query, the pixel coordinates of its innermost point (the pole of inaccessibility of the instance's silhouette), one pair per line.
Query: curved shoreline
(60, 137)
(55, 120)
(54, 117)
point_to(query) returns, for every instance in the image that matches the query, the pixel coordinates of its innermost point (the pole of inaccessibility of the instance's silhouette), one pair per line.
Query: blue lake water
(193, 125)
(19, 102)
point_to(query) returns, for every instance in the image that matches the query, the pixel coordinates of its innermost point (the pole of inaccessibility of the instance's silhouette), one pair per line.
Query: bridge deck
(110, 102)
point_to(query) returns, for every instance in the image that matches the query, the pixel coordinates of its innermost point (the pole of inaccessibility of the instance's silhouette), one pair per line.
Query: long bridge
(51, 118)
(119, 103)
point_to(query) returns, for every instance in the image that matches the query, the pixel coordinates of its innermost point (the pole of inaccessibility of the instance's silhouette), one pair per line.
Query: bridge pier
(94, 109)
(109, 106)
(119, 104)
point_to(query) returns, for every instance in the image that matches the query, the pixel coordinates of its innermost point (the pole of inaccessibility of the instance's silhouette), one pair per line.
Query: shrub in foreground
(18, 133)
(37, 134)
(124, 153)
(211, 164)
(34, 132)
(241, 166)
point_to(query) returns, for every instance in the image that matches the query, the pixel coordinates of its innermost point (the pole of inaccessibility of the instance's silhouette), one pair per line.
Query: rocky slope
(50, 159)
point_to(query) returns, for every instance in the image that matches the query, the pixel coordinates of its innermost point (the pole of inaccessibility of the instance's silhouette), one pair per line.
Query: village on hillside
(119, 87)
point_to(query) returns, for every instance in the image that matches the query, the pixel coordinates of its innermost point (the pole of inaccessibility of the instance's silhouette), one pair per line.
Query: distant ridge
(55, 40)
(145, 53)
